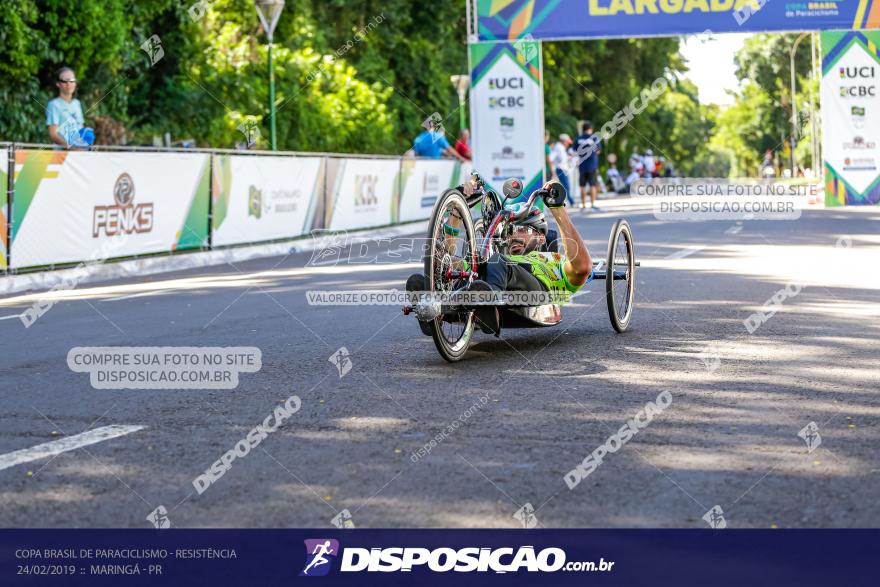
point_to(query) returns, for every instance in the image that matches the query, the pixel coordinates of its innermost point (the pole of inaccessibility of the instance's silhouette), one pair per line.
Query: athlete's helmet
(535, 219)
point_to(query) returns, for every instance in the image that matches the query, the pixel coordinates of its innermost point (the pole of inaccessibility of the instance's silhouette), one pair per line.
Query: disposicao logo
(320, 554)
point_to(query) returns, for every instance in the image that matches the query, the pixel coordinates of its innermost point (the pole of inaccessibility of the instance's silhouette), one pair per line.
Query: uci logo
(513, 83)
(866, 71)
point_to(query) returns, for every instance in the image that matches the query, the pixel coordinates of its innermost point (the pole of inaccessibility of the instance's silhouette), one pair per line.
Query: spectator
(559, 162)
(649, 163)
(614, 178)
(548, 166)
(768, 170)
(432, 143)
(462, 146)
(588, 149)
(64, 115)
(636, 166)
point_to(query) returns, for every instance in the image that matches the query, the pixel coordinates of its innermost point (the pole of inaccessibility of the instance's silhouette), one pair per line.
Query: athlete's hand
(553, 194)
(470, 187)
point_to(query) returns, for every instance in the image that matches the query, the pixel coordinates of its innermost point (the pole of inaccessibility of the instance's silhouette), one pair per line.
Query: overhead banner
(594, 19)
(507, 113)
(71, 206)
(365, 193)
(4, 202)
(421, 183)
(258, 198)
(851, 117)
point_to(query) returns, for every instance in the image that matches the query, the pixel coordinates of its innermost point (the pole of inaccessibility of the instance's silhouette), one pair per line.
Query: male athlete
(527, 268)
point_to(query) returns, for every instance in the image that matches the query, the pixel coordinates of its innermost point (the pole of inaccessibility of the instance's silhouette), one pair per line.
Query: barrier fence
(66, 207)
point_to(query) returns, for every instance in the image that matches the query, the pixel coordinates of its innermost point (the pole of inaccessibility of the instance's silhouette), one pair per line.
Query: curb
(68, 278)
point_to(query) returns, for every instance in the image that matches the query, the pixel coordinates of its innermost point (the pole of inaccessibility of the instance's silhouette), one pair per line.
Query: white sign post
(507, 112)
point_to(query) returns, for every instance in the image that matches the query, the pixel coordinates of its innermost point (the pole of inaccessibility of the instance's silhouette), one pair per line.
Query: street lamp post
(461, 83)
(269, 12)
(794, 113)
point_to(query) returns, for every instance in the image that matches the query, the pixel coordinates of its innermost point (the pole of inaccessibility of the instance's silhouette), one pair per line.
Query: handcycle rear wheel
(445, 253)
(620, 273)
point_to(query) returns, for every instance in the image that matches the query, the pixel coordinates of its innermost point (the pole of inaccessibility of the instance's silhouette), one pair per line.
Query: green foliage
(760, 119)
(361, 76)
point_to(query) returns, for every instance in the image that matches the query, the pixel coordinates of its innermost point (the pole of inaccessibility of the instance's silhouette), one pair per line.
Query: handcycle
(452, 258)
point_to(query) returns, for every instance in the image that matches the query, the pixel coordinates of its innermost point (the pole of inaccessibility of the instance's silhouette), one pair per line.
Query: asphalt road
(530, 406)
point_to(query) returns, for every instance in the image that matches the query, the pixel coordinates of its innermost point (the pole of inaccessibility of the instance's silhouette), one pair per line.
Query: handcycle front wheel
(620, 275)
(451, 243)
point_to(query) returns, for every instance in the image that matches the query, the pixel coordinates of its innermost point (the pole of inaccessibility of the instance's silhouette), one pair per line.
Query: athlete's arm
(578, 264)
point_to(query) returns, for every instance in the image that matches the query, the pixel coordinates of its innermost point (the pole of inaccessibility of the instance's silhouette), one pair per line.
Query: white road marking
(685, 252)
(74, 442)
(735, 229)
(11, 317)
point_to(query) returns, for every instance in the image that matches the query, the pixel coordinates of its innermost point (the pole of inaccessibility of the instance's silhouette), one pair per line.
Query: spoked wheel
(620, 275)
(451, 249)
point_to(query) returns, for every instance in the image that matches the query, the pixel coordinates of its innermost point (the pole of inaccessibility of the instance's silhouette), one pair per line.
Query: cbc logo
(858, 91)
(507, 102)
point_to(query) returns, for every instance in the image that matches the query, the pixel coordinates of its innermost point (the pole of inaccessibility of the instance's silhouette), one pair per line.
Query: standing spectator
(588, 149)
(432, 143)
(64, 115)
(462, 145)
(635, 163)
(768, 170)
(649, 163)
(548, 166)
(559, 161)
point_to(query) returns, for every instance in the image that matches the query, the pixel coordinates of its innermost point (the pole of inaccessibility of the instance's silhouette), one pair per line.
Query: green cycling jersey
(548, 268)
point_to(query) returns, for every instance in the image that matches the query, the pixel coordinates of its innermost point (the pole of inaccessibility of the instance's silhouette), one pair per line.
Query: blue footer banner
(439, 557)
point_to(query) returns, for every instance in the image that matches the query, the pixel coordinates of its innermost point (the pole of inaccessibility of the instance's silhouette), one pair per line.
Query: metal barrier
(118, 202)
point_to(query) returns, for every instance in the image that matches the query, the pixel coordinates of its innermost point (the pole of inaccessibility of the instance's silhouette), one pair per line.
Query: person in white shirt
(650, 164)
(559, 161)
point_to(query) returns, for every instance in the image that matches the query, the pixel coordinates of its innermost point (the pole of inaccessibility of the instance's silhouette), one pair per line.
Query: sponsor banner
(851, 117)
(89, 206)
(4, 203)
(422, 181)
(507, 113)
(365, 193)
(594, 19)
(345, 555)
(259, 198)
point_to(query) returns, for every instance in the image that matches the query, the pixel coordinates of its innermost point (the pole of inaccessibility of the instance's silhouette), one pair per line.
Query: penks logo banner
(851, 117)
(86, 206)
(593, 19)
(507, 113)
(259, 198)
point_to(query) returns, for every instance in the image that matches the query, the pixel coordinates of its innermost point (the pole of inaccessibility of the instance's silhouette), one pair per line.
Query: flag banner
(530, 557)
(507, 113)
(600, 19)
(851, 117)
